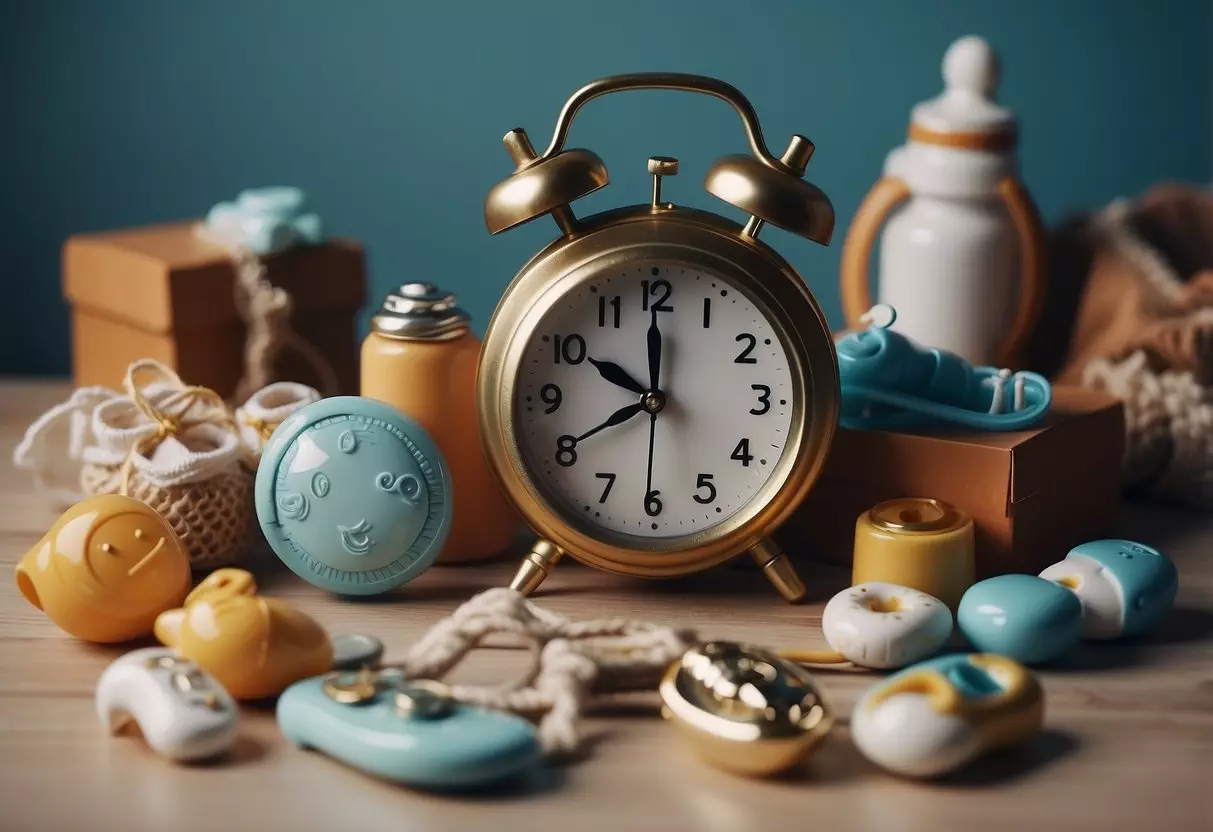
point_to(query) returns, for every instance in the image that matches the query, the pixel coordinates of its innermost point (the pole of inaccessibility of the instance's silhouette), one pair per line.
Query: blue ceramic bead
(353, 496)
(1125, 588)
(1022, 616)
(463, 747)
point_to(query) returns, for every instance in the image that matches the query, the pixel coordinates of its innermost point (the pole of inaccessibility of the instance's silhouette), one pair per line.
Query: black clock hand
(654, 353)
(617, 375)
(617, 418)
(648, 481)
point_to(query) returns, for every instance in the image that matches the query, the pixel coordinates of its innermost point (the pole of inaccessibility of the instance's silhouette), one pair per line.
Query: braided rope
(571, 661)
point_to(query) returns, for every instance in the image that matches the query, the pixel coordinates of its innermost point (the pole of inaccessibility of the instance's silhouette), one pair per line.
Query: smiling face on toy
(107, 567)
(355, 487)
(121, 553)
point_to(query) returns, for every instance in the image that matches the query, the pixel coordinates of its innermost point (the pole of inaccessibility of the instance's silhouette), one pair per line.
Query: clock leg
(535, 566)
(779, 570)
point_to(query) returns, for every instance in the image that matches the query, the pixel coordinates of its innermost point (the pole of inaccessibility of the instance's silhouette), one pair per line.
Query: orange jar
(421, 358)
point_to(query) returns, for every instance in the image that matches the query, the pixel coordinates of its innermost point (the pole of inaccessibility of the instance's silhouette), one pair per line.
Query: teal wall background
(390, 115)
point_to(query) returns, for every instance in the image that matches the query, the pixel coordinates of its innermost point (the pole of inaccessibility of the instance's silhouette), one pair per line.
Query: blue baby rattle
(888, 382)
(353, 496)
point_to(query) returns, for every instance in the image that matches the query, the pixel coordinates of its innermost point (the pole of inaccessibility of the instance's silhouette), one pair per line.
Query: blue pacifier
(890, 383)
(353, 496)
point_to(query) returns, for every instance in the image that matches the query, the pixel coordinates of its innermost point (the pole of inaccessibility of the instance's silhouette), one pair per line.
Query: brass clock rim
(707, 241)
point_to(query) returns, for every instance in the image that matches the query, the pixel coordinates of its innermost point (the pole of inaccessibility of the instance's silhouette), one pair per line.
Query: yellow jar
(421, 358)
(917, 542)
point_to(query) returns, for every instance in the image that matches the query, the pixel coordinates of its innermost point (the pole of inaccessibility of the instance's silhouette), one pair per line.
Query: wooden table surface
(1128, 740)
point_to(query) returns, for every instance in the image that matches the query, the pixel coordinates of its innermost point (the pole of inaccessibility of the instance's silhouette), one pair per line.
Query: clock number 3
(764, 399)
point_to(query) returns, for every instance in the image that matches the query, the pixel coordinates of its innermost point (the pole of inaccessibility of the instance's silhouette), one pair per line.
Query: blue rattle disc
(353, 496)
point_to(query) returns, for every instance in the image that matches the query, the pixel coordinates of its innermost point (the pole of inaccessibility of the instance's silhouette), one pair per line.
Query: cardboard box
(162, 292)
(1033, 495)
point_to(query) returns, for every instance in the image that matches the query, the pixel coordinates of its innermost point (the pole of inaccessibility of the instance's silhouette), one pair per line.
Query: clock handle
(680, 81)
(777, 566)
(536, 566)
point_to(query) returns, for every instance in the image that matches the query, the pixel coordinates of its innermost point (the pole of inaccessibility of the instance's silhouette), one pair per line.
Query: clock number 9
(566, 451)
(551, 395)
(652, 505)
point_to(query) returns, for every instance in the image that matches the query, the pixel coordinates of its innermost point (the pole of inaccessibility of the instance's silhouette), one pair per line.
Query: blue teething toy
(265, 220)
(430, 743)
(1125, 588)
(353, 496)
(890, 383)
(1030, 619)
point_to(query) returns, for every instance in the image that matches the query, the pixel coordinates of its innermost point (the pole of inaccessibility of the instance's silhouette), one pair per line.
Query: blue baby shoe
(1022, 616)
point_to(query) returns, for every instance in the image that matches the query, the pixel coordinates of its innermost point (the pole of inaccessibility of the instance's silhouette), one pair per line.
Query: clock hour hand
(617, 418)
(617, 375)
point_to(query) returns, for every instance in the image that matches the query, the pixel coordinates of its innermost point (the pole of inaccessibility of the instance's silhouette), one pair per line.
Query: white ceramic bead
(882, 625)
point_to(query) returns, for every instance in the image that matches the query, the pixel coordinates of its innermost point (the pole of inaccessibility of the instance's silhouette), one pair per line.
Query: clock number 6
(652, 505)
(705, 481)
(764, 399)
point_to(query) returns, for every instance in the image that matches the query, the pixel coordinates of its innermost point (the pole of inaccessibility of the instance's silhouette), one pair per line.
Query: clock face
(654, 400)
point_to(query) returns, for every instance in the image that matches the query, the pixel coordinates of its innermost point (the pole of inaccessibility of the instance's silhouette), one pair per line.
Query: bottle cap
(966, 115)
(420, 311)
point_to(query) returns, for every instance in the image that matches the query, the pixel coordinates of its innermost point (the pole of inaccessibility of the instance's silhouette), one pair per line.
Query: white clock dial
(723, 410)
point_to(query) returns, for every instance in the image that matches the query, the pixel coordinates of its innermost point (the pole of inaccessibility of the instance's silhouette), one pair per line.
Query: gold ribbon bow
(186, 406)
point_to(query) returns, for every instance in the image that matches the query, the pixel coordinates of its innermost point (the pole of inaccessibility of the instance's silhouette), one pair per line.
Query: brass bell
(541, 187)
(779, 197)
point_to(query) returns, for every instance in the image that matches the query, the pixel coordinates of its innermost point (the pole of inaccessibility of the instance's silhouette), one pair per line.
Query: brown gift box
(162, 292)
(1033, 495)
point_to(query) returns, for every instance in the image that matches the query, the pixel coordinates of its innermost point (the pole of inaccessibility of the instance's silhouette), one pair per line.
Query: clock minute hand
(617, 375)
(617, 418)
(654, 353)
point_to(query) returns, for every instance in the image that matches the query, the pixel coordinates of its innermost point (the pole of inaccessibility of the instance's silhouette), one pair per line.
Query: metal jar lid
(420, 311)
(916, 514)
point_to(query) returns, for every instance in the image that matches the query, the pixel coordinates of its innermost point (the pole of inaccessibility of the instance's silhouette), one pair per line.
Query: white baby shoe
(268, 408)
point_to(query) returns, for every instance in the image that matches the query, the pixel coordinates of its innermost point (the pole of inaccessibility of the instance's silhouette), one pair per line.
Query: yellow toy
(107, 567)
(254, 646)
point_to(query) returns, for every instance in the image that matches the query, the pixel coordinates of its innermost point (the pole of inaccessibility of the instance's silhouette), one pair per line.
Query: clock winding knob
(661, 166)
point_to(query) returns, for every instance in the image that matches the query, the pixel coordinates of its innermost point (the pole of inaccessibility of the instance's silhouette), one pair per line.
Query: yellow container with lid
(421, 357)
(918, 542)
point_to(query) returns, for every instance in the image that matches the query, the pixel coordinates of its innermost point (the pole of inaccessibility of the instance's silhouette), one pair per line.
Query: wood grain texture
(1128, 745)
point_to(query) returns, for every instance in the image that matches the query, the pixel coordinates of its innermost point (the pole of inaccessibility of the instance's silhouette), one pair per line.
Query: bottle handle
(1032, 268)
(856, 288)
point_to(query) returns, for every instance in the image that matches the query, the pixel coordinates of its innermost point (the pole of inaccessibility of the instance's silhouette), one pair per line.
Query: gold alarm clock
(657, 388)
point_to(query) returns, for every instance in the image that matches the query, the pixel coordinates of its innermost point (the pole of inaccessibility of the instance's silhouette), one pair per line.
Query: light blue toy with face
(406, 733)
(888, 382)
(1022, 616)
(353, 496)
(1125, 588)
(265, 220)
